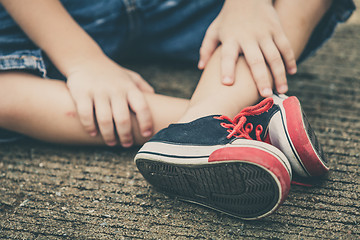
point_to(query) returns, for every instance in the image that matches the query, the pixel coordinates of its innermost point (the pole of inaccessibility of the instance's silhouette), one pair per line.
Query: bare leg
(211, 97)
(299, 19)
(43, 109)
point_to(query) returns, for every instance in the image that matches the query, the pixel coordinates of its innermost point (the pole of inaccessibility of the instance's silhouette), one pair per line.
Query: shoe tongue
(207, 130)
(263, 120)
(267, 137)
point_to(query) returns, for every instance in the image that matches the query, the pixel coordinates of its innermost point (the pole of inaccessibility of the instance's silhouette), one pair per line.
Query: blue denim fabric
(171, 29)
(175, 29)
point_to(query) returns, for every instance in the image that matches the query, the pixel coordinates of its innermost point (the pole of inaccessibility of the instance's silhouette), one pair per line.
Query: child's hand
(251, 28)
(104, 93)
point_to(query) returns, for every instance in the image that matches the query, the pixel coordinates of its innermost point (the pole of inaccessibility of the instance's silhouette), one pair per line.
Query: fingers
(115, 113)
(208, 47)
(276, 65)
(277, 55)
(108, 112)
(286, 52)
(255, 59)
(229, 57)
(122, 120)
(121, 113)
(139, 106)
(85, 109)
(104, 119)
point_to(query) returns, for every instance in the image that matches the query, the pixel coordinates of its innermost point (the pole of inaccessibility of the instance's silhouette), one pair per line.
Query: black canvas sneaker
(215, 163)
(285, 126)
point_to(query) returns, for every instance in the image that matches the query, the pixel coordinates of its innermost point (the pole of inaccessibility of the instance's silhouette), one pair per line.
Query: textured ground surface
(51, 192)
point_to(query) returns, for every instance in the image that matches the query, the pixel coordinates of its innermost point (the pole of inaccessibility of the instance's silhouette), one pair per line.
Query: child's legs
(44, 109)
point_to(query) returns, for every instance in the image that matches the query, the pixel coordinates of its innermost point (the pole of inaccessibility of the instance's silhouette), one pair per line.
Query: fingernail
(266, 92)
(227, 80)
(147, 133)
(283, 89)
(126, 145)
(111, 143)
(292, 70)
(201, 64)
(93, 133)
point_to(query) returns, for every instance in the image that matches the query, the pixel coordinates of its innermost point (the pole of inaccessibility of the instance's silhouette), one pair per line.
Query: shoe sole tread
(236, 188)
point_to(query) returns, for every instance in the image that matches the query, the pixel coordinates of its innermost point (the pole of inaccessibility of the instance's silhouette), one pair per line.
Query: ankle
(215, 107)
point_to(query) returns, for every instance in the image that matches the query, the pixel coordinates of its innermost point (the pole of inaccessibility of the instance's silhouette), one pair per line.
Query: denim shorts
(163, 29)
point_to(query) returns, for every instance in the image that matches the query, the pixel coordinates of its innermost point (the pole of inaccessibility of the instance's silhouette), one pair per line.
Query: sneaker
(214, 163)
(8, 136)
(285, 126)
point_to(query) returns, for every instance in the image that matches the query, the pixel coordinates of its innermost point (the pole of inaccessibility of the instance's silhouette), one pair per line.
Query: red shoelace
(236, 126)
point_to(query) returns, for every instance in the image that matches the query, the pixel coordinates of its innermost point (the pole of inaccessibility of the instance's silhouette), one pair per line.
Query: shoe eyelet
(249, 127)
(259, 129)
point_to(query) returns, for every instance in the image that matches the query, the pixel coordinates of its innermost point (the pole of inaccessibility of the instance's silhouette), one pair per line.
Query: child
(246, 50)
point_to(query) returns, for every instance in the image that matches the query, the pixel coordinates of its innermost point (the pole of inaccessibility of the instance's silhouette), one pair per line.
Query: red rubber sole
(298, 129)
